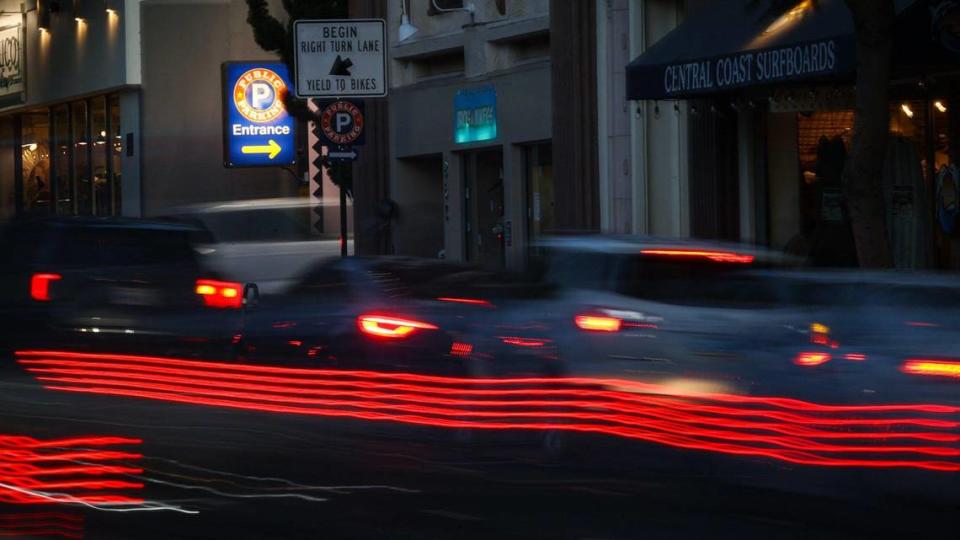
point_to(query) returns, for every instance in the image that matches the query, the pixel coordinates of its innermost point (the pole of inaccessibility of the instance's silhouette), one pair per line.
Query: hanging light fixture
(406, 30)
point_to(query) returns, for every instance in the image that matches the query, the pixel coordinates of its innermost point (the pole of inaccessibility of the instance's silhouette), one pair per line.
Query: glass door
(484, 208)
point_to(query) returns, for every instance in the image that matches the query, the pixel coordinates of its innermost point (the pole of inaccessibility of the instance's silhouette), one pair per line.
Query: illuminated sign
(475, 115)
(258, 132)
(11, 60)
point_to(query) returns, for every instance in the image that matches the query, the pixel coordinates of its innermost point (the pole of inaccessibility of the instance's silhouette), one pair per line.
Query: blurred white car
(266, 241)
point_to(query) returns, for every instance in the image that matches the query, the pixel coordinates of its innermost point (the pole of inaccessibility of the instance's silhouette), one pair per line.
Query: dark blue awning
(733, 44)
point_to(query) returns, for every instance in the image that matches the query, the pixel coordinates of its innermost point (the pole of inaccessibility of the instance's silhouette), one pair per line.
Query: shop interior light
(940, 106)
(907, 110)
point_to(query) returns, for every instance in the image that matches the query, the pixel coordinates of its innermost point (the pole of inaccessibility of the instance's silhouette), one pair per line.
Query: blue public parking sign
(257, 131)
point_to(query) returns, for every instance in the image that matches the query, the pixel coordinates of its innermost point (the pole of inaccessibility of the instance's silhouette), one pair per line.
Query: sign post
(257, 131)
(340, 58)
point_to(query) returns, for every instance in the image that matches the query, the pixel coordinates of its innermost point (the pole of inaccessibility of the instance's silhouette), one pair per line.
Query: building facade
(471, 162)
(117, 108)
(733, 120)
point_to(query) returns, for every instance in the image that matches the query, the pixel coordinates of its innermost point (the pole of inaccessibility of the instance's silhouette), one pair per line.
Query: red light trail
(899, 435)
(41, 525)
(72, 470)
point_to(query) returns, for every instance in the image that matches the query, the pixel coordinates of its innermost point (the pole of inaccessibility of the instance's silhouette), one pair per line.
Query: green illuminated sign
(475, 115)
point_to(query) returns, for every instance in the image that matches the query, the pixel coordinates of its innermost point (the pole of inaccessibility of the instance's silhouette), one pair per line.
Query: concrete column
(131, 170)
(784, 175)
(747, 174)
(515, 205)
(573, 53)
(453, 206)
(8, 177)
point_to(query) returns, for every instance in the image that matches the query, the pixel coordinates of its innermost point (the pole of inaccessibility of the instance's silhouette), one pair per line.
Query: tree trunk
(874, 21)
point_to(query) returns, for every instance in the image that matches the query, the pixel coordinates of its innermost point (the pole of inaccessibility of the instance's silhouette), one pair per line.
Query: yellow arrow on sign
(271, 148)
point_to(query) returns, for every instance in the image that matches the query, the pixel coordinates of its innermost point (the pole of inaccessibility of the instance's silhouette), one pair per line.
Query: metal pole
(343, 219)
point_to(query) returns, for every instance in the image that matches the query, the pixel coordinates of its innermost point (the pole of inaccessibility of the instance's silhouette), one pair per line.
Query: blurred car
(269, 242)
(115, 284)
(655, 309)
(399, 314)
(706, 316)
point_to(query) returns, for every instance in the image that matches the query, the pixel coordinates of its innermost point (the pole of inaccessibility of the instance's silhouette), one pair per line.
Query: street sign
(342, 123)
(343, 154)
(340, 58)
(257, 130)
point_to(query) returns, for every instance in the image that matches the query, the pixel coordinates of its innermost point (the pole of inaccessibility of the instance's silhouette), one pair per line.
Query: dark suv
(114, 283)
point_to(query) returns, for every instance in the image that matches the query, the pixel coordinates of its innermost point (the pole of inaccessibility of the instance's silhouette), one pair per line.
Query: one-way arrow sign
(345, 154)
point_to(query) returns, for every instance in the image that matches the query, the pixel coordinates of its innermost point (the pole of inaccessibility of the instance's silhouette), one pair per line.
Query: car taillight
(812, 358)
(517, 341)
(471, 301)
(715, 256)
(462, 350)
(596, 323)
(932, 368)
(40, 286)
(390, 327)
(220, 294)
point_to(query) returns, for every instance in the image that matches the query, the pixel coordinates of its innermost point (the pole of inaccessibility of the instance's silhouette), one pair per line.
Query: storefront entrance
(484, 208)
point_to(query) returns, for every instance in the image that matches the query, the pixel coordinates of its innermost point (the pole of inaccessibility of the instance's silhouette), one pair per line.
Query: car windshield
(416, 269)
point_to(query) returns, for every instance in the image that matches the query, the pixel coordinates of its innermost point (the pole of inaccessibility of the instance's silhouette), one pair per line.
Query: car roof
(839, 276)
(252, 205)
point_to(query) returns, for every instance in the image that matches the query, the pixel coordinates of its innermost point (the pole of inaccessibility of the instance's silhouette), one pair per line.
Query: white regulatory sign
(340, 58)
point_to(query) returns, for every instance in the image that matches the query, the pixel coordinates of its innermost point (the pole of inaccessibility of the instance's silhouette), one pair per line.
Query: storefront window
(35, 154)
(71, 158)
(115, 143)
(99, 153)
(62, 159)
(81, 159)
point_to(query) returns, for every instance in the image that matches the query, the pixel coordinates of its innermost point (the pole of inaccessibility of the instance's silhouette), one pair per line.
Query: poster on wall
(12, 60)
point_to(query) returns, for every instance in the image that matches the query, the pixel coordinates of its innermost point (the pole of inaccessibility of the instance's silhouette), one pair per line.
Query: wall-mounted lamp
(44, 9)
(406, 30)
(111, 6)
(78, 13)
(907, 110)
(468, 7)
(940, 106)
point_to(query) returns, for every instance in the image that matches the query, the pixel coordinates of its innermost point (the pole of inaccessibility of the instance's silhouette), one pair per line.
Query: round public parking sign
(341, 122)
(258, 95)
